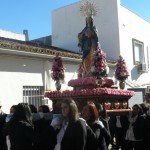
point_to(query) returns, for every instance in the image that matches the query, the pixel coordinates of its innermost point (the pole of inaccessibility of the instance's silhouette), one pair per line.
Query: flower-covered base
(114, 100)
(90, 82)
(95, 92)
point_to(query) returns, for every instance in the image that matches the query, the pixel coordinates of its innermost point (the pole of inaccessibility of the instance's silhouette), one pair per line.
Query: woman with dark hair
(12, 109)
(44, 109)
(19, 128)
(102, 115)
(11, 112)
(134, 134)
(33, 108)
(44, 135)
(72, 131)
(91, 115)
(103, 118)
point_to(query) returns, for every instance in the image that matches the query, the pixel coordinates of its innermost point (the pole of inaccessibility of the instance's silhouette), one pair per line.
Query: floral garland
(121, 71)
(99, 63)
(58, 69)
(88, 92)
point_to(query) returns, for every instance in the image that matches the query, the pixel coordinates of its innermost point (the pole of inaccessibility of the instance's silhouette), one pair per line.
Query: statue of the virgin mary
(88, 38)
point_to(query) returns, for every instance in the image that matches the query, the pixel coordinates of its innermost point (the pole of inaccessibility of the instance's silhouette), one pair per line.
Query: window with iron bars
(34, 95)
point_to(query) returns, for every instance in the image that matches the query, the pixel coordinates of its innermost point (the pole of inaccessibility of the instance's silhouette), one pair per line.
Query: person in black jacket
(146, 134)
(103, 115)
(120, 125)
(44, 135)
(134, 134)
(91, 115)
(19, 128)
(72, 130)
(103, 118)
(91, 141)
(2, 124)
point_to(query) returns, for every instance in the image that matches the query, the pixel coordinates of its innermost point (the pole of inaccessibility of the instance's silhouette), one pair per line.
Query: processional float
(92, 83)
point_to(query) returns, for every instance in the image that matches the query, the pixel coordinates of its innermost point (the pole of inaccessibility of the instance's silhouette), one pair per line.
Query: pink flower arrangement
(57, 69)
(99, 63)
(82, 81)
(103, 82)
(88, 92)
(121, 71)
(107, 82)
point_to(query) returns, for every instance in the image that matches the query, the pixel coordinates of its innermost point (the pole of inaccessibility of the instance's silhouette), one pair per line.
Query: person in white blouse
(71, 130)
(134, 134)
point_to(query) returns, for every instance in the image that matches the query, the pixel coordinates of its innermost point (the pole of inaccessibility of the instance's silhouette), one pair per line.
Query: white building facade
(25, 72)
(121, 32)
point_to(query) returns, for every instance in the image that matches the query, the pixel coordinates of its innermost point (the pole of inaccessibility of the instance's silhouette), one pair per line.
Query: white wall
(67, 22)
(107, 24)
(12, 35)
(131, 26)
(66, 26)
(16, 72)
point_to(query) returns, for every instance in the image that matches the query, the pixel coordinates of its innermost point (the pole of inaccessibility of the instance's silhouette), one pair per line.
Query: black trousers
(134, 145)
(120, 139)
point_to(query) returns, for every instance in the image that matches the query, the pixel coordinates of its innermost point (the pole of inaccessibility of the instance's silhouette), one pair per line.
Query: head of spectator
(137, 110)
(13, 109)
(69, 110)
(33, 108)
(145, 107)
(101, 110)
(147, 97)
(22, 113)
(44, 109)
(90, 113)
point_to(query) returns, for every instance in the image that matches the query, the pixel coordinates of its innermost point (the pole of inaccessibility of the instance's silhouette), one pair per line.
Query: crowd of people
(91, 129)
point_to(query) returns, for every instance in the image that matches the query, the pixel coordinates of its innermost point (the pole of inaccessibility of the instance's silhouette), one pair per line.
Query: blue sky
(35, 15)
